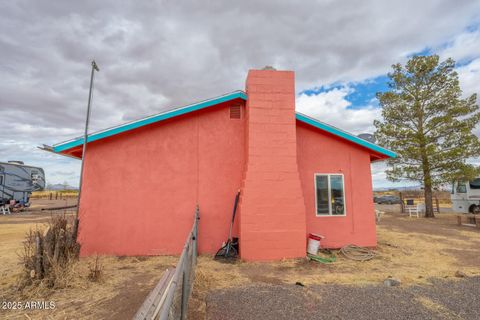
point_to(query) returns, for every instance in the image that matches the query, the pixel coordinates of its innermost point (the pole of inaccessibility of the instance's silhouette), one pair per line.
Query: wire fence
(169, 299)
(54, 195)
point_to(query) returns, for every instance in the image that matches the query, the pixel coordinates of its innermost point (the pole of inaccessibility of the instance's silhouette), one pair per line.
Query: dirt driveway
(440, 299)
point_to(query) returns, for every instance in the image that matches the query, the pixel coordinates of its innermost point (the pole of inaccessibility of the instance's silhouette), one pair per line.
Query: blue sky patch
(361, 94)
(364, 93)
(424, 52)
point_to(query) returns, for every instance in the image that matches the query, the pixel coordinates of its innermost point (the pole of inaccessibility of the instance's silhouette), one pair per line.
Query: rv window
(475, 183)
(329, 195)
(461, 187)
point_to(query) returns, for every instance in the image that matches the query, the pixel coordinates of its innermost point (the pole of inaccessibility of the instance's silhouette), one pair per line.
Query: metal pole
(85, 136)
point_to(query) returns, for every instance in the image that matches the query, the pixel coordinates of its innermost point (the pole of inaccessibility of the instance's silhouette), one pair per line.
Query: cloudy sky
(155, 55)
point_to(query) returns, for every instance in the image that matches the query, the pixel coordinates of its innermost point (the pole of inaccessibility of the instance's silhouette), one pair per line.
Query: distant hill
(59, 186)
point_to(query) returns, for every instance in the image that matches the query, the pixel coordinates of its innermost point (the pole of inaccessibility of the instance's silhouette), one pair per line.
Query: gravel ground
(441, 299)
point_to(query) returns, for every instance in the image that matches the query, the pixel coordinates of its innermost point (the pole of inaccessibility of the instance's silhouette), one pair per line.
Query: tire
(476, 210)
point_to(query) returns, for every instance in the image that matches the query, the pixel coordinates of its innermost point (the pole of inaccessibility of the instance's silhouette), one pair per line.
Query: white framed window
(329, 194)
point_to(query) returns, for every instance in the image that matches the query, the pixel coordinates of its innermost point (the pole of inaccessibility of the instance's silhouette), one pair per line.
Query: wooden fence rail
(156, 298)
(169, 298)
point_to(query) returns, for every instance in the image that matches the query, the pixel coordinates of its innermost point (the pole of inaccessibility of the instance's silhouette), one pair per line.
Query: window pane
(475, 184)
(461, 187)
(322, 194)
(337, 194)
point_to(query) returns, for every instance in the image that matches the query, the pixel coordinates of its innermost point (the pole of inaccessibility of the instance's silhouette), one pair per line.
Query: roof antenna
(85, 136)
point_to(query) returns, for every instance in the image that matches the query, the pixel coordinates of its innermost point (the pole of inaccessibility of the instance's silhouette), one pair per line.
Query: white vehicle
(466, 196)
(18, 181)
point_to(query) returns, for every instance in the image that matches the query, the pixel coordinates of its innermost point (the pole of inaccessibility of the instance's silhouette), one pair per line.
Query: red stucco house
(297, 175)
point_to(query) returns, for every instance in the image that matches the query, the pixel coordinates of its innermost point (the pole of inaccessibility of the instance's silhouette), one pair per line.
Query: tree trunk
(427, 182)
(428, 199)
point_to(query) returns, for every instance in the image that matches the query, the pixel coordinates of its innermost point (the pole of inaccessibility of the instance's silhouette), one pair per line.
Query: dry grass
(49, 255)
(405, 252)
(121, 280)
(82, 298)
(59, 194)
(413, 257)
(11, 237)
(439, 309)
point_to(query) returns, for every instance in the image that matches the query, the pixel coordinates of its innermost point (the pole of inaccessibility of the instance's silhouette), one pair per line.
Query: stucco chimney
(272, 207)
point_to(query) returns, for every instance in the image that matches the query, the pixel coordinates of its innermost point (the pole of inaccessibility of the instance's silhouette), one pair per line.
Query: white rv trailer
(18, 181)
(466, 196)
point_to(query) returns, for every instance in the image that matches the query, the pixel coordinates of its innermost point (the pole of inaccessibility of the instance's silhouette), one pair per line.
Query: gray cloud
(155, 55)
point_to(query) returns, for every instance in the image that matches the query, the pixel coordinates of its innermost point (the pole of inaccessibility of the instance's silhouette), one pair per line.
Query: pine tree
(428, 124)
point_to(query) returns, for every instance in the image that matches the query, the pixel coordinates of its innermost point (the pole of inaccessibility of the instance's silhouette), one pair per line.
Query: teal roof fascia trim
(149, 120)
(345, 135)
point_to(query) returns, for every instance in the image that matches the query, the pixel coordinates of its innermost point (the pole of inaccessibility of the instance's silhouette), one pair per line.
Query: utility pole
(85, 137)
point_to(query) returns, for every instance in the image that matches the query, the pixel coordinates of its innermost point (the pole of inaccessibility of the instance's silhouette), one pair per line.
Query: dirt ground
(413, 250)
(441, 299)
(125, 283)
(46, 203)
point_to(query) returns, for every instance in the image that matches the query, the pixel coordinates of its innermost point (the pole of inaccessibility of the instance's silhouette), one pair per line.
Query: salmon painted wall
(320, 152)
(141, 187)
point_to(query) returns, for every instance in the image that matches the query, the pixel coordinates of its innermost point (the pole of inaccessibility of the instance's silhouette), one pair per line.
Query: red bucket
(315, 236)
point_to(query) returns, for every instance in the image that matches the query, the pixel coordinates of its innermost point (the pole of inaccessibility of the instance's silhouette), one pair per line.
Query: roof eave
(345, 135)
(60, 148)
(66, 145)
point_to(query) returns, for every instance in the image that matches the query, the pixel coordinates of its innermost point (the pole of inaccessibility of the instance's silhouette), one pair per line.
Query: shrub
(49, 255)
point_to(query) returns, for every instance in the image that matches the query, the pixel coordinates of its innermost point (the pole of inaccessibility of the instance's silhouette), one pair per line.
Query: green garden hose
(322, 259)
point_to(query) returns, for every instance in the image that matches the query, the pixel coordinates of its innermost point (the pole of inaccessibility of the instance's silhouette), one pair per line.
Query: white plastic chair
(378, 215)
(415, 210)
(5, 209)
